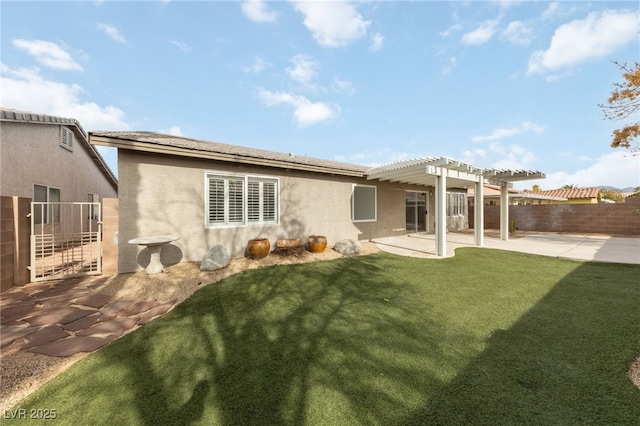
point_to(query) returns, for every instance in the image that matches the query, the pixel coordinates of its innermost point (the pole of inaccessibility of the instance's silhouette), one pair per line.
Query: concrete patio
(597, 248)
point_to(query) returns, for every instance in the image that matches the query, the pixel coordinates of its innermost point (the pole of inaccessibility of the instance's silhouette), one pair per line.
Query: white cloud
(378, 157)
(582, 40)
(180, 45)
(112, 32)
(343, 86)
(501, 132)
(482, 34)
(305, 112)
(515, 158)
(618, 169)
(451, 29)
(557, 9)
(48, 54)
(258, 66)
(25, 89)
(303, 71)
(517, 32)
(450, 65)
(257, 11)
(173, 131)
(376, 42)
(551, 10)
(334, 23)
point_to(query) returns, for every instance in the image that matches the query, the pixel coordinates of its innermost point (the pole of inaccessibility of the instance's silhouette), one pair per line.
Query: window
(363, 203)
(66, 138)
(93, 211)
(240, 200)
(456, 204)
(46, 213)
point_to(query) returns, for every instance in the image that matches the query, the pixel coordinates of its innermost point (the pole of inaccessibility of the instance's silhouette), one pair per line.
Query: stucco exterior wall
(31, 154)
(165, 195)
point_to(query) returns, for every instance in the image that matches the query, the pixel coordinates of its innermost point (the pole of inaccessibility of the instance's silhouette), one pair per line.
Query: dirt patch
(22, 373)
(634, 372)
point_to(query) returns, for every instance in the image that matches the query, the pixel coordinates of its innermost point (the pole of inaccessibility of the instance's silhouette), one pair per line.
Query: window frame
(355, 200)
(456, 204)
(268, 189)
(50, 216)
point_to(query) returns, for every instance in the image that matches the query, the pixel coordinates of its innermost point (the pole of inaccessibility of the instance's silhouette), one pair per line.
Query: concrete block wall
(15, 230)
(612, 219)
(109, 236)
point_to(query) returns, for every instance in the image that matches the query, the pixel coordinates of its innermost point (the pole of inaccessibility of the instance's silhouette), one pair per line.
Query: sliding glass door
(416, 204)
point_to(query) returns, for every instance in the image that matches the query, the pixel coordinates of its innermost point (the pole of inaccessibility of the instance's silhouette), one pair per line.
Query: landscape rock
(216, 258)
(348, 247)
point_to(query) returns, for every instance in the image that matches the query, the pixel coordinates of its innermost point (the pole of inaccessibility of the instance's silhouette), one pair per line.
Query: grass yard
(485, 337)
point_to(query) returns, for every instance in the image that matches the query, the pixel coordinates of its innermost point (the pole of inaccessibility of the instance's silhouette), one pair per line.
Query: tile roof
(590, 192)
(7, 114)
(493, 191)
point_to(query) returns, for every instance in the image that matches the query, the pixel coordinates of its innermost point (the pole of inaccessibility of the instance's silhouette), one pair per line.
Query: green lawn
(485, 337)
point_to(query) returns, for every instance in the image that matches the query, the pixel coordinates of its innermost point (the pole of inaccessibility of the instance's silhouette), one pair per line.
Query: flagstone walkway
(63, 318)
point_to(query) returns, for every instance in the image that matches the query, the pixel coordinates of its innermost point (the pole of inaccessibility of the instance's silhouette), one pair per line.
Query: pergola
(442, 173)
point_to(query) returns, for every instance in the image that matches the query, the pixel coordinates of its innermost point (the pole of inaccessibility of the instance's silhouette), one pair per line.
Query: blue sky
(498, 84)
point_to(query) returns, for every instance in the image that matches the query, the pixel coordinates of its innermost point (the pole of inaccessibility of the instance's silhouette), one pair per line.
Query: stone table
(154, 244)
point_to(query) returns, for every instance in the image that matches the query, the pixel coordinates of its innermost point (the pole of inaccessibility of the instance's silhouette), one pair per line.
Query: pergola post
(478, 221)
(441, 213)
(504, 211)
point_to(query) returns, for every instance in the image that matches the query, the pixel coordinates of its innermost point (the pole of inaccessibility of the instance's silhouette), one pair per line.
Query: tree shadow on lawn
(376, 339)
(563, 362)
(272, 350)
(342, 344)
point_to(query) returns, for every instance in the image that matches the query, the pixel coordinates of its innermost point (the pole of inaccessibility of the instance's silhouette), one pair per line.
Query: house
(516, 196)
(589, 195)
(210, 193)
(47, 160)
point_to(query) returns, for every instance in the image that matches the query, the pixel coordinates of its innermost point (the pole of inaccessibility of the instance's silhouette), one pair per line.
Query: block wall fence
(620, 219)
(15, 230)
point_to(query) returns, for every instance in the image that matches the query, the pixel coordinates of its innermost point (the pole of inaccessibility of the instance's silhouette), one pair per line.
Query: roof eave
(133, 145)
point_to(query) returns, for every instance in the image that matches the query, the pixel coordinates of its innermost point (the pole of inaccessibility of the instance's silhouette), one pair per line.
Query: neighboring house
(48, 160)
(210, 193)
(516, 197)
(590, 195)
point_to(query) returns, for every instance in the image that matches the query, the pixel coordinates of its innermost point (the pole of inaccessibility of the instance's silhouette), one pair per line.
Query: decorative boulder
(348, 247)
(216, 258)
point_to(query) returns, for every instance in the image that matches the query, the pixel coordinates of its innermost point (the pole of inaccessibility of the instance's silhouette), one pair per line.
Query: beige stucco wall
(165, 195)
(31, 154)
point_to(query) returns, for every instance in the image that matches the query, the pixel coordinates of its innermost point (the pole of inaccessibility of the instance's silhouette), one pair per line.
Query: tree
(625, 102)
(570, 186)
(612, 195)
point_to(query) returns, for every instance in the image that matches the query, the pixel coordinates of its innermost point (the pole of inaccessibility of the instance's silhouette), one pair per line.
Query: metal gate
(66, 240)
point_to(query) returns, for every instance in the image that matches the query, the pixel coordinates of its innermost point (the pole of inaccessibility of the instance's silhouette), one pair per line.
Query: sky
(496, 84)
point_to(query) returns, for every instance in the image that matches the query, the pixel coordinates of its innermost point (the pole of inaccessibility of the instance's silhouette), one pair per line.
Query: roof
(419, 172)
(493, 191)
(181, 146)
(13, 115)
(591, 192)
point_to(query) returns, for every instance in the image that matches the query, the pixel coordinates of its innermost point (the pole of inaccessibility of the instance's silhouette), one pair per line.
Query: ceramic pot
(258, 248)
(317, 243)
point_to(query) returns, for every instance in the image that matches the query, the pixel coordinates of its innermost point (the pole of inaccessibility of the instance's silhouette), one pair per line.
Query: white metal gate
(65, 240)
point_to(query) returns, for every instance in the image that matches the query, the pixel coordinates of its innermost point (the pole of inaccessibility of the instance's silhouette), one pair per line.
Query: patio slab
(577, 247)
